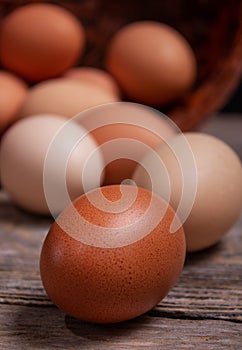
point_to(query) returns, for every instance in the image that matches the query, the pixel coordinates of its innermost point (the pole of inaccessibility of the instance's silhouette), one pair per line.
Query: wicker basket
(213, 28)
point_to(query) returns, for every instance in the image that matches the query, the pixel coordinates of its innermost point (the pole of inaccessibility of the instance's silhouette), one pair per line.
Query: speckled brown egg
(111, 257)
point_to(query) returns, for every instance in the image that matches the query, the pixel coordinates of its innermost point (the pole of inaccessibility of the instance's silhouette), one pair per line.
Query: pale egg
(43, 159)
(217, 201)
(95, 76)
(64, 97)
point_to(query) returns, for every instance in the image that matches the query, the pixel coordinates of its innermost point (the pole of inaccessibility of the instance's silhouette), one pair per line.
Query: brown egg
(125, 132)
(152, 62)
(108, 258)
(96, 77)
(216, 171)
(40, 41)
(12, 94)
(65, 97)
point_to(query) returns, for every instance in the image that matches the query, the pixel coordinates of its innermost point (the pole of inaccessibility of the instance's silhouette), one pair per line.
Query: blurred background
(228, 124)
(235, 103)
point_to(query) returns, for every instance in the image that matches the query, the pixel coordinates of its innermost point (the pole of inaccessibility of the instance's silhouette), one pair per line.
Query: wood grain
(47, 328)
(203, 311)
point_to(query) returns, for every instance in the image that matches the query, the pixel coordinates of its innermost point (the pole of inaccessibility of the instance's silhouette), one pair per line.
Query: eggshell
(24, 152)
(218, 199)
(125, 131)
(96, 77)
(65, 97)
(111, 284)
(151, 61)
(40, 41)
(12, 94)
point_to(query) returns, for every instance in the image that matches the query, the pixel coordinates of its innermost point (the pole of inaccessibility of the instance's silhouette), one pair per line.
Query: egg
(40, 41)
(125, 131)
(110, 256)
(95, 76)
(65, 97)
(13, 91)
(152, 62)
(43, 159)
(217, 200)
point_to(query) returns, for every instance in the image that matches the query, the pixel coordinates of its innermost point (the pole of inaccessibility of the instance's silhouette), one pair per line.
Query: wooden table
(203, 311)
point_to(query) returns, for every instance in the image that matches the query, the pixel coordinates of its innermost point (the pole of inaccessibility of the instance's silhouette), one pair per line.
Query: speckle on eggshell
(106, 285)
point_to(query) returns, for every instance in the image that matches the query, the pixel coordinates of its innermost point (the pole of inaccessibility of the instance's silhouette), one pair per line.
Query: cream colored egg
(218, 198)
(43, 160)
(65, 97)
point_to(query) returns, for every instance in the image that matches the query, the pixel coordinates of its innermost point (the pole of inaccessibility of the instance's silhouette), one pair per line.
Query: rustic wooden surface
(203, 311)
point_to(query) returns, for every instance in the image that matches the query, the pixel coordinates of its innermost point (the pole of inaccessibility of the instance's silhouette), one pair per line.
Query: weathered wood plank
(24, 327)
